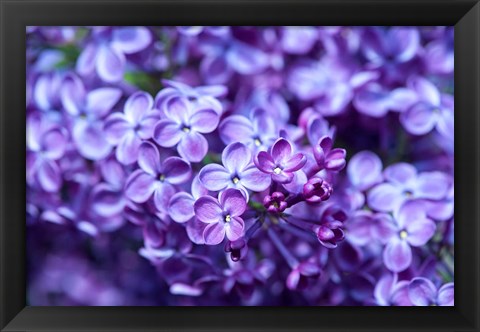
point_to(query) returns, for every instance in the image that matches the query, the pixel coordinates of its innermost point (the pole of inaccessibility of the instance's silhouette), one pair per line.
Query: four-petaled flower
(409, 228)
(184, 125)
(222, 216)
(280, 162)
(237, 171)
(127, 130)
(156, 178)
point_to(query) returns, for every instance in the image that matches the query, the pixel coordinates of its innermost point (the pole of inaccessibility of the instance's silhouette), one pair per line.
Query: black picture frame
(15, 15)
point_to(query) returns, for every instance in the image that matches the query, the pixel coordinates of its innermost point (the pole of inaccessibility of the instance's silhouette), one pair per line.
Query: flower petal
(127, 150)
(422, 292)
(110, 64)
(397, 255)
(101, 101)
(180, 207)
(178, 109)
(116, 127)
(131, 39)
(264, 162)
(295, 162)
(208, 210)
(90, 140)
(139, 186)
(236, 128)
(384, 197)
(364, 170)
(137, 105)
(419, 119)
(401, 174)
(204, 121)
(445, 296)
(167, 133)
(176, 170)
(425, 89)
(149, 158)
(193, 147)
(433, 185)
(54, 143)
(214, 233)
(162, 195)
(255, 180)
(106, 201)
(232, 202)
(420, 232)
(236, 157)
(281, 151)
(214, 177)
(49, 176)
(234, 228)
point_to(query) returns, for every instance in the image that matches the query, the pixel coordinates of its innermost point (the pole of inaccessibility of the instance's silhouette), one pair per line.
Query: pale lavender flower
(156, 178)
(184, 126)
(127, 130)
(238, 171)
(409, 228)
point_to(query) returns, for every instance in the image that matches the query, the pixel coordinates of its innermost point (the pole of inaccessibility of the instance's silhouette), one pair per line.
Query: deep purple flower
(184, 127)
(237, 171)
(88, 108)
(155, 177)
(46, 143)
(127, 130)
(223, 216)
(409, 228)
(280, 162)
(106, 52)
(422, 292)
(328, 158)
(317, 190)
(275, 203)
(403, 183)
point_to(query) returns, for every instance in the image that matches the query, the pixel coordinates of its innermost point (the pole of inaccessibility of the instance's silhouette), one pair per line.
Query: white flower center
(228, 218)
(403, 235)
(277, 170)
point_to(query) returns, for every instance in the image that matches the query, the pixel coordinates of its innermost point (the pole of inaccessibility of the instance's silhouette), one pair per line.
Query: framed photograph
(281, 165)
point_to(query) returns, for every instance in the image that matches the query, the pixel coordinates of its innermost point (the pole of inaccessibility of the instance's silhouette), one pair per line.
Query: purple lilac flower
(432, 109)
(258, 132)
(106, 52)
(403, 183)
(184, 127)
(422, 292)
(46, 143)
(328, 158)
(156, 178)
(409, 228)
(127, 130)
(133, 192)
(238, 171)
(88, 108)
(280, 162)
(223, 216)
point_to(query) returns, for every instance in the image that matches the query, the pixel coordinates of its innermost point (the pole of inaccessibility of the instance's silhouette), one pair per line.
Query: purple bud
(316, 190)
(275, 203)
(237, 249)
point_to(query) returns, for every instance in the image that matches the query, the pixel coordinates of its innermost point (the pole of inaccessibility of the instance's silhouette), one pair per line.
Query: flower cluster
(240, 165)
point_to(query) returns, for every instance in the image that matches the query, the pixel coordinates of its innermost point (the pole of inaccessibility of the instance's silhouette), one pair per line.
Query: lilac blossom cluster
(240, 166)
